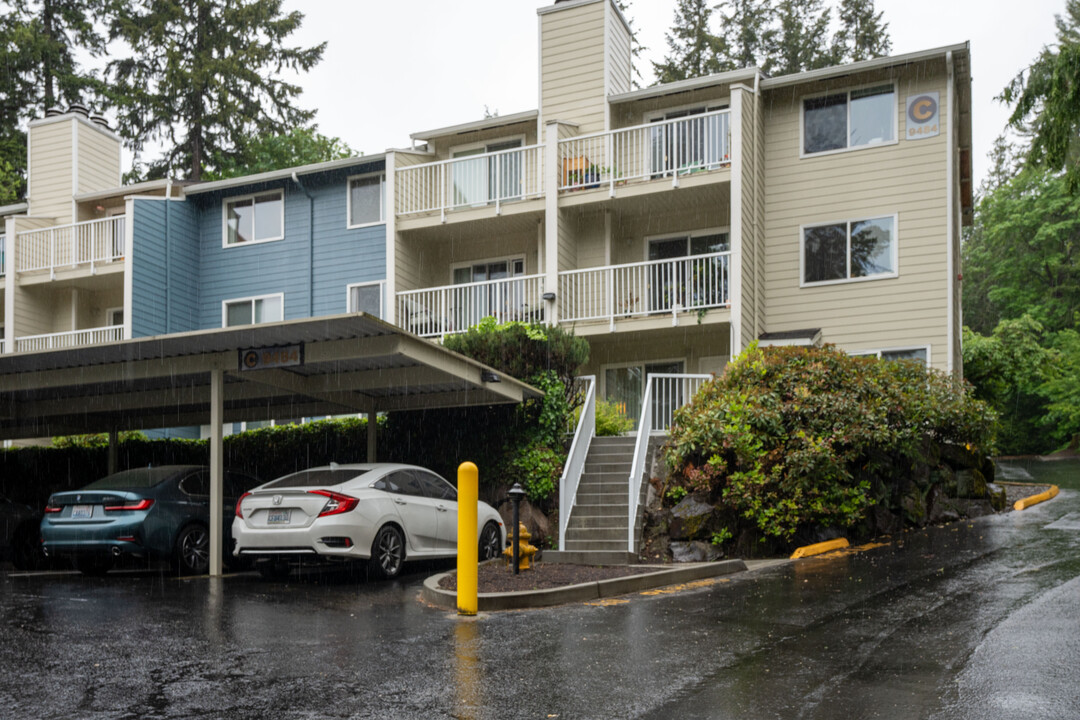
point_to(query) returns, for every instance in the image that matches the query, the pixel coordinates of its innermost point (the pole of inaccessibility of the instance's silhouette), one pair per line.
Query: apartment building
(671, 226)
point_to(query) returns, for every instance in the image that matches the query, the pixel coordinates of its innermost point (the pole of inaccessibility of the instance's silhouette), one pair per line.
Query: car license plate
(278, 517)
(82, 512)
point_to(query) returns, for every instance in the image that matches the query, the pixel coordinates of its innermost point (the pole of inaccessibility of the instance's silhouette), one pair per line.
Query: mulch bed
(497, 577)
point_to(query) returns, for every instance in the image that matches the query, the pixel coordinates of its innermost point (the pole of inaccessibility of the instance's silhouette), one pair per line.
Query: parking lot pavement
(908, 629)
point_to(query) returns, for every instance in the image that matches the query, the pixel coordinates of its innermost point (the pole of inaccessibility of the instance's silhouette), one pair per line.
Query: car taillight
(336, 502)
(238, 501)
(143, 504)
(50, 508)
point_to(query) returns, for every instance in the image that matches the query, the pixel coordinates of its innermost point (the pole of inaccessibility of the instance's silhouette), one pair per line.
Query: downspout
(758, 237)
(311, 245)
(168, 245)
(950, 229)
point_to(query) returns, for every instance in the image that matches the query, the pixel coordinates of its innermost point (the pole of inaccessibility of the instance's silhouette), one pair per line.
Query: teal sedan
(152, 513)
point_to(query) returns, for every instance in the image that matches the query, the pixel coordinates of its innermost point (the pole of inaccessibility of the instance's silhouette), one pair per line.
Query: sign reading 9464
(271, 357)
(923, 116)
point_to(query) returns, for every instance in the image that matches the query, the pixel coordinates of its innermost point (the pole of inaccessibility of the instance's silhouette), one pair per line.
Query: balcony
(71, 339)
(487, 179)
(671, 148)
(440, 311)
(656, 287)
(82, 244)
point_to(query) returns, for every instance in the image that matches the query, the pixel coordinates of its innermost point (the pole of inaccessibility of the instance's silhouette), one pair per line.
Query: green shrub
(610, 420)
(788, 437)
(538, 469)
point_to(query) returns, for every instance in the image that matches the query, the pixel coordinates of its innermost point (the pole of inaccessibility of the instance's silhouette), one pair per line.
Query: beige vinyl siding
(437, 259)
(99, 159)
(32, 315)
(572, 66)
(587, 228)
(444, 146)
(51, 171)
(568, 259)
(758, 179)
(406, 263)
(905, 179)
(689, 343)
(618, 54)
(629, 242)
(404, 158)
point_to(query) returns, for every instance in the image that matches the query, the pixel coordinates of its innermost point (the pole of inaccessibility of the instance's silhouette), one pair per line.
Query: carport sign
(922, 116)
(272, 357)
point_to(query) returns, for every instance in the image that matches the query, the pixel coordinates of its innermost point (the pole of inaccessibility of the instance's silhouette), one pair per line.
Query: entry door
(502, 300)
(625, 387)
(485, 179)
(470, 178)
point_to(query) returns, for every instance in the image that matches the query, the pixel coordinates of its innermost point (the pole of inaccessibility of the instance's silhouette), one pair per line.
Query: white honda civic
(384, 513)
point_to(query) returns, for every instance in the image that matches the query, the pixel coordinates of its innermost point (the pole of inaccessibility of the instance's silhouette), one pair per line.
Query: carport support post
(372, 427)
(217, 467)
(113, 440)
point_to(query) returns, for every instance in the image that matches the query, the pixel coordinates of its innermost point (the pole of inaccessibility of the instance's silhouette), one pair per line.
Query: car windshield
(321, 477)
(137, 478)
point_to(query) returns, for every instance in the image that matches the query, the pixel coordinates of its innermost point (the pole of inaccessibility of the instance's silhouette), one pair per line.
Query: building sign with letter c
(923, 116)
(272, 357)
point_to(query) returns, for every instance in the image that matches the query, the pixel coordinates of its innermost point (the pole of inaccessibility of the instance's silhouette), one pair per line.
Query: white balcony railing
(671, 148)
(687, 284)
(664, 394)
(73, 338)
(473, 181)
(579, 451)
(434, 312)
(68, 246)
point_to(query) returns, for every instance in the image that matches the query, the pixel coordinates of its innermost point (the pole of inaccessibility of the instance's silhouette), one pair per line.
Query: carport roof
(350, 363)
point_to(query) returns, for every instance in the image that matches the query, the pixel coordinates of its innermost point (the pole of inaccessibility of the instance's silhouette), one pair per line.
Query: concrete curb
(487, 602)
(1025, 503)
(819, 548)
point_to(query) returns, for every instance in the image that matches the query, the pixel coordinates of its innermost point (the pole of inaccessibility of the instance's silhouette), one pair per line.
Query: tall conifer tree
(204, 75)
(695, 51)
(803, 39)
(749, 33)
(862, 33)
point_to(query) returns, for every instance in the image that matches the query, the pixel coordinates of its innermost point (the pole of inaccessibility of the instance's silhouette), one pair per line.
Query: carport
(302, 368)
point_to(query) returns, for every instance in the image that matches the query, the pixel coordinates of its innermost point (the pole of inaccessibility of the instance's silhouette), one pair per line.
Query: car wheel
(388, 552)
(94, 566)
(489, 542)
(26, 548)
(273, 569)
(193, 551)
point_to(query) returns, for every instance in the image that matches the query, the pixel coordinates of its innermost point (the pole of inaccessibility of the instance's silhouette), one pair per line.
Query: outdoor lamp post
(516, 493)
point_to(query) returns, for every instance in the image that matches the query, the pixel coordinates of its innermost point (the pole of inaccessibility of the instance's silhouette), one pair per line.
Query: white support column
(551, 220)
(10, 253)
(390, 212)
(737, 98)
(217, 468)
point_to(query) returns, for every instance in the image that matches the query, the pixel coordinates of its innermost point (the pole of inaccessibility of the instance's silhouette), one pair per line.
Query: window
(114, 316)
(914, 353)
(367, 200)
(693, 283)
(252, 311)
(625, 388)
(695, 140)
(489, 176)
(255, 218)
(849, 119)
(504, 300)
(851, 250)
(367, 298)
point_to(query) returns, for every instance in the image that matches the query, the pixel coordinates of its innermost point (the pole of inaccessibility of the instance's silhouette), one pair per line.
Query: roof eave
(282, 174)
(485, 124)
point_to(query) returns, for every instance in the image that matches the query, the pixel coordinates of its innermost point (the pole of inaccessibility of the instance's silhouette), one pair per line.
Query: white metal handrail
(472, 181)
(434, 312)
(70, 339)
(575, 461)
(670, 148)
(687, 284)
(82, 243)
(664, 393)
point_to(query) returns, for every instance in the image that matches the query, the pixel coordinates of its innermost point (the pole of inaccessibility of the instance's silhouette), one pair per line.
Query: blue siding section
(165, 253)
(313, 275)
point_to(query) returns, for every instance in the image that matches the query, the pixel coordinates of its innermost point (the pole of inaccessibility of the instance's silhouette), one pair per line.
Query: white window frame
(652, 115)
(382, 200)
(895, 250)
(850, 148)
(484, 144)
(904, 348)
(109, 314)
(368, 283)
(251, 299)
(488, 261)
(604, 367)
(689, 235)
(225, 202)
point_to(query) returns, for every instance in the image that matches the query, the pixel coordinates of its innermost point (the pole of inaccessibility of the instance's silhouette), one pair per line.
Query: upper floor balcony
(70, 339)
(601, 295)
(85, 244)
(673, 149)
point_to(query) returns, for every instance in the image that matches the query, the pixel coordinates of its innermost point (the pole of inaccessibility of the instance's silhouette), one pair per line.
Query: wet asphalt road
(978, 620)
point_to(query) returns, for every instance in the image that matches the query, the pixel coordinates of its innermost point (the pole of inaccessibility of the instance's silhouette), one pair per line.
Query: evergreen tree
(1047, 101)
(750, 33)
(862, 33)
(695, 51)
(803, 37)
(635, 44)
(301, 146)
(203, 77)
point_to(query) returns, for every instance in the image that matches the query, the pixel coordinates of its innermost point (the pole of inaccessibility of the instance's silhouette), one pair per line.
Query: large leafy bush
(792, 437)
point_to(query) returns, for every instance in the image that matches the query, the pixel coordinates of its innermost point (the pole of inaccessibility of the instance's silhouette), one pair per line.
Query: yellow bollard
(468, 545)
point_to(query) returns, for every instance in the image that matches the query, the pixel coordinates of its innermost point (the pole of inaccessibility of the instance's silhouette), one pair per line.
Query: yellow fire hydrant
(525, 550)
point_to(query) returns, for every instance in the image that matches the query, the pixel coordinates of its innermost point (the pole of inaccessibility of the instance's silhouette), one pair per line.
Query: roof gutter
(864, 66)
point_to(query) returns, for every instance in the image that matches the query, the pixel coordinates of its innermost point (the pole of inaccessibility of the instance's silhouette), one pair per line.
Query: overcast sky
(399, 67)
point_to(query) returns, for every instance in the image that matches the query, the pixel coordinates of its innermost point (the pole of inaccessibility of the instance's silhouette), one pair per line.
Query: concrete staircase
(597, 533)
